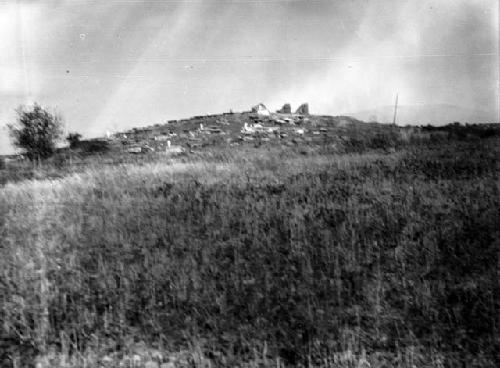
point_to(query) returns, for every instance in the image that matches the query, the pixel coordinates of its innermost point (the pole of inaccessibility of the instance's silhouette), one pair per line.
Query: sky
(116, 64)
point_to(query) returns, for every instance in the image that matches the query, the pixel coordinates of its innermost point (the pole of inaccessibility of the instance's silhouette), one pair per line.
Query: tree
(73, 139)
(37, 131)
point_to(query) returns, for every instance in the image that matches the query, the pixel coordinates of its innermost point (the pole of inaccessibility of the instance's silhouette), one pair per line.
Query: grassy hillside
(258, 257)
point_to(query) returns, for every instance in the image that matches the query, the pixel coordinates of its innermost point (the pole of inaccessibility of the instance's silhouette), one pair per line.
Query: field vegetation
(258, 257)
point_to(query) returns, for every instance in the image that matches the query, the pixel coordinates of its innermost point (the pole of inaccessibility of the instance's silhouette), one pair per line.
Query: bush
(384, 140)
(93, 146)
(73, 139)
(37, 131)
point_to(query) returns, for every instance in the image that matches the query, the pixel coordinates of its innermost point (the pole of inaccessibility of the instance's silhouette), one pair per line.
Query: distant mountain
(426, 114)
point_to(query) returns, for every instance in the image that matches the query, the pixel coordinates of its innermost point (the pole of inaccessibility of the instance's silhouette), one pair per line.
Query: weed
(244, 258)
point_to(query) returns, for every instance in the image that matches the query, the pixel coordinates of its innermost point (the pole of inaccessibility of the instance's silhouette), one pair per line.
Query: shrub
(94, 146)
(73, 139)
(37, 131)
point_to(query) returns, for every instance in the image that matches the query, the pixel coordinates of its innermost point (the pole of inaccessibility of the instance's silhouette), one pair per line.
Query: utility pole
(395, 110)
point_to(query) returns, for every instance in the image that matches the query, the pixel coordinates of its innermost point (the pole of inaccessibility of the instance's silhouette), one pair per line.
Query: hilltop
(261, 128)
(256, 127)
(227, 133)
(235, 129)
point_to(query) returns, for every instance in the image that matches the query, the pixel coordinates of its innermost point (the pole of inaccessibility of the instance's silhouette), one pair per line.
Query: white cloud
(398, 48)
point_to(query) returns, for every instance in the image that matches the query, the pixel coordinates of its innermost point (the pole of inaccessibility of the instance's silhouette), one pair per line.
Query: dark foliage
(464, 131)
(37, 131)
(93, 146)
(73, 139)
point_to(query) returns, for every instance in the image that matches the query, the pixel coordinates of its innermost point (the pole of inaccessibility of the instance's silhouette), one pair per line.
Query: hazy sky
(115, 64)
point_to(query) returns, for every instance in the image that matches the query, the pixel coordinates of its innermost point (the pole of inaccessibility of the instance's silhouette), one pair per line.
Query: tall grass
(261, 258)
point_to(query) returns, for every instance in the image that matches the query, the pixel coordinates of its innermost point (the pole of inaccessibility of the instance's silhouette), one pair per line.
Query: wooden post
(395, 110)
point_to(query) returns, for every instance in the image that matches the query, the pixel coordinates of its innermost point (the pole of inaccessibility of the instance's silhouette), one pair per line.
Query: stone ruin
(261, 109)
(303, 109)
(286, 109)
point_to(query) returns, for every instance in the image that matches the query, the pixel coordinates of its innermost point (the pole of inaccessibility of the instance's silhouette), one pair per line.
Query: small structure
(174, 150)
(134, 150)
(286, 109)
(303, 109)
(210, 130)
(282, 120)
(247, 129)
(162, 137)
(261, 110)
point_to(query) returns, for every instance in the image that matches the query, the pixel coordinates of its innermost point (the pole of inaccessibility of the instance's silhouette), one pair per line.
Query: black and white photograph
(249, 184)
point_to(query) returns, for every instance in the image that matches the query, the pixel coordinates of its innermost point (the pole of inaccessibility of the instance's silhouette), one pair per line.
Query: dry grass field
(257, 258)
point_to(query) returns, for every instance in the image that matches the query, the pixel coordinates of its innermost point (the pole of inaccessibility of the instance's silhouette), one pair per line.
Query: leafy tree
(73, 139)
(36, 131)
